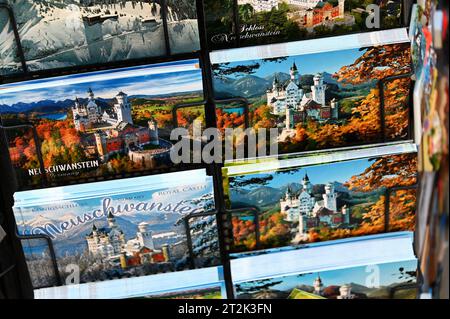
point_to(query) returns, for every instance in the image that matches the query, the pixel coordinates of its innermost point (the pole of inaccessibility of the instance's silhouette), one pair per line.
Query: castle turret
(346, 214)
(318, 90)
(100, 143)
(307, 187)
(345, 292)
(329, 197)
(90, 94)
(111, 220)
(154, 135)
(144, 236)
(289, 118)
(123, 260)
(302, 226)
(318, 286)
(275, 84)
(334, 109)
(166, 252)
(123, 108)
(294, 74)
(341, 4)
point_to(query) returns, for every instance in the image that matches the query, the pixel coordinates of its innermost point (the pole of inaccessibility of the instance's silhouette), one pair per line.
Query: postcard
(254, 22)
(323, 202)
(58, 34)
(383, 281)
(98, 124)
(139, 229)
(319, 100)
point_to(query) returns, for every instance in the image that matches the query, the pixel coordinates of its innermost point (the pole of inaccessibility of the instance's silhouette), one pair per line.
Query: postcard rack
(210, 104)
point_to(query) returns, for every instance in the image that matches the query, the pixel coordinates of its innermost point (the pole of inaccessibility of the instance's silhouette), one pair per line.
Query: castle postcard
(137, 229)
(320, 100)
(68, 33)
(384, 281)
(258, 22)
(98, 124)
(323, 202)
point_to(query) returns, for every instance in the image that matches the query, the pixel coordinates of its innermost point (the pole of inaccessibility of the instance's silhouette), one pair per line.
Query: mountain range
(50, 106)
(250, 86)
(265, 195)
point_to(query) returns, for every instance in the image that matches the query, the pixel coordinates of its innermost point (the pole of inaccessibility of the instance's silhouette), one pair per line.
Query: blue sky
(389, 274)
(148, 80)
(321, 174)
(329, 62)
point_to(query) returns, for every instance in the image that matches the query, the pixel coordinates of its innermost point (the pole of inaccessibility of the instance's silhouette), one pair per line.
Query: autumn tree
(389, 172)
(376, 64)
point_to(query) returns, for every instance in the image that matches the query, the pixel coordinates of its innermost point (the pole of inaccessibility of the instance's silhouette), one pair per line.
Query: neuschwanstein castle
(115, 132)
(289, 97)
(109, 243)
(307, 13)
(309, 213)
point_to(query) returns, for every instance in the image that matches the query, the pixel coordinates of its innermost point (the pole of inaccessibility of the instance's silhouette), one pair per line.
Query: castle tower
(111, 221)
(306, 184)
(318, 286)
(100, 144)
(302, 229)
(329, 198)
(318, 90)
(93, 241)
(334, 109)
(346, 214)
(123, 260)
(289, 118)
(90, 94)
(294, 74)
(275, 84)
(341, 4)
(166, 252)
(345, 292)
(309, 18)
(123, 108)
(144, 236)
(153, 129)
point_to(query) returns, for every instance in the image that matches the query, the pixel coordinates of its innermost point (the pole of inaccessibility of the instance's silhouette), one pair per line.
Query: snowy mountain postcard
(323, 100)
(276, 21)
(69, 33)
(137, 233)
(101, 123)
(384, 281)
(323, 202)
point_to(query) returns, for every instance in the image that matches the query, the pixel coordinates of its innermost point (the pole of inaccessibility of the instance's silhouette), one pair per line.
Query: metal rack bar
(211, 121)
(19, 48)
(51, 252)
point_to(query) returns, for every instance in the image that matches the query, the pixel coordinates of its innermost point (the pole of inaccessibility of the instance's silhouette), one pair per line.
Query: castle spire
(306, 177)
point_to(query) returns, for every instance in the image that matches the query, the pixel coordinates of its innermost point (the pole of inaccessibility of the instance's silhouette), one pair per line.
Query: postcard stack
(339, 109)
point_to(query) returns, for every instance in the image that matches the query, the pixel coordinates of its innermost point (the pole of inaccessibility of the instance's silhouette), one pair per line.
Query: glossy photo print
(99, 124)
(324, 202)
(67, 33)
(232, 23)
(322, 100)
(385, 281)
(132, 230)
